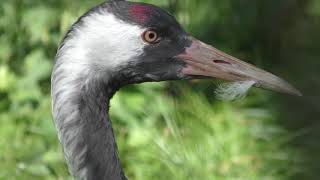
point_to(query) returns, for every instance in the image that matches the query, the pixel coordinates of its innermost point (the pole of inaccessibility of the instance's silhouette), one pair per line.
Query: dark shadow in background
(283, 37)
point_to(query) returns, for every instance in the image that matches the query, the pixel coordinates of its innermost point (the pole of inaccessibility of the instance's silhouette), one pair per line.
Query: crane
(115, 44)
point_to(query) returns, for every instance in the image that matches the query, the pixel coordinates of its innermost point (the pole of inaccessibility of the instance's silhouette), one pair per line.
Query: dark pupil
(152, 35)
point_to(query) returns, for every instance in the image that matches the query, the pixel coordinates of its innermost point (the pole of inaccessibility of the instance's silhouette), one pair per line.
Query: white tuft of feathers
(234, 90)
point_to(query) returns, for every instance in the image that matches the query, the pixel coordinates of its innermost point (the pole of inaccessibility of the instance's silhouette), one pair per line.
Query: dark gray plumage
(106, 49)
(82, 86)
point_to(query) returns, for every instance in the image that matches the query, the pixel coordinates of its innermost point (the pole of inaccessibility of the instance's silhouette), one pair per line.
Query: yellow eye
(150, 36)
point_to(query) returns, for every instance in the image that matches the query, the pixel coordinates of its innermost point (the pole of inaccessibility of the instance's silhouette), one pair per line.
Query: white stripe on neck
(99, 42)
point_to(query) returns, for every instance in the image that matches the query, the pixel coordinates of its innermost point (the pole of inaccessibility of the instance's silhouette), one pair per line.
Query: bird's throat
(85, 131)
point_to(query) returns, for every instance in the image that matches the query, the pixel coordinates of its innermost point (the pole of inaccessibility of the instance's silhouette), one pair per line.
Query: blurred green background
(173, 130)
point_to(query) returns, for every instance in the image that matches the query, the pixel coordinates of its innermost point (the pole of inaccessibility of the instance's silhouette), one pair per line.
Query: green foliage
(160, 136)
(193, 139)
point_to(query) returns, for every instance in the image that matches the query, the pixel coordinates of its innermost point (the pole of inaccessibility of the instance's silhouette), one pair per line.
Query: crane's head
(141, 43)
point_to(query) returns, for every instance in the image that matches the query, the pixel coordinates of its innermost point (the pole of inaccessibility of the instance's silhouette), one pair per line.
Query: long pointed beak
(205, 60)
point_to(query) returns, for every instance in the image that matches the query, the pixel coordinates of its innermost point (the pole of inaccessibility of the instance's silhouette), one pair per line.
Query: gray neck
(83, 82)
(84, 128)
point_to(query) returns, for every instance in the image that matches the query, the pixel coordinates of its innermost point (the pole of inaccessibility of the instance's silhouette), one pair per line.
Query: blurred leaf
(42, 19)
(7, 78)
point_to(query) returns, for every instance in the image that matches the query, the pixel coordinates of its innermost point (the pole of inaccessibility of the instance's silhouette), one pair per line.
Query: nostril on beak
(221, 62)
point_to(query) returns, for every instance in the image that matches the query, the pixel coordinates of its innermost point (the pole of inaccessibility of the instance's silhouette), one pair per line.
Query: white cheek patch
(233, 91)
(108, 41)
(101, 41)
